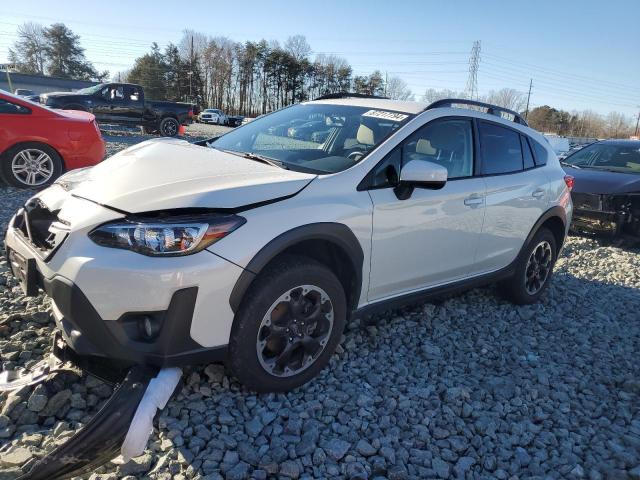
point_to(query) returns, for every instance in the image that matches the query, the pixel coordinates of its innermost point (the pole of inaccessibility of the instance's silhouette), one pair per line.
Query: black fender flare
(555, 211)
(336, 233)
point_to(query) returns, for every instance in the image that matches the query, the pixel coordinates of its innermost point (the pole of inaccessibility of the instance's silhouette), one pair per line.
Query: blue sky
(580, 54)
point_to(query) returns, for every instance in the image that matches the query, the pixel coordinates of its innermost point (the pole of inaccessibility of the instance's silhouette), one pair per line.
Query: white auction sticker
(396, 117)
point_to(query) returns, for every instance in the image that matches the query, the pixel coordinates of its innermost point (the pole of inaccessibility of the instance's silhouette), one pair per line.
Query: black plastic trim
(332, 96)
(336, 233)
(88, 334)
(491, 109)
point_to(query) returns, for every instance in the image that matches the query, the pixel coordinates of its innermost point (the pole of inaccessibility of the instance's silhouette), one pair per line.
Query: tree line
(252, 78)
(54, 50)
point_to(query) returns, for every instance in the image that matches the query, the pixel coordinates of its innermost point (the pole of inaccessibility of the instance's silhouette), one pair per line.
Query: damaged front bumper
(109, 350)
(606, 214)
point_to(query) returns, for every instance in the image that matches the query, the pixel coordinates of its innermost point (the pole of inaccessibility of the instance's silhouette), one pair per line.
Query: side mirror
(423, 174)
(420, 174)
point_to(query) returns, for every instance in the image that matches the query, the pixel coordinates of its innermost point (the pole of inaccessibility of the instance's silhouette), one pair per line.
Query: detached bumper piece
(124, 423)
(99, 440)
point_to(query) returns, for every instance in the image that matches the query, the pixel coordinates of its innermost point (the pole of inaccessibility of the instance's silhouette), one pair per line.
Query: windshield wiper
(254, 156)
(570, 165)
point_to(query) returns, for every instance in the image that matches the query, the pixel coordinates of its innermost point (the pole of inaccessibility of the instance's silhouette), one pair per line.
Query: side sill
(433, 293)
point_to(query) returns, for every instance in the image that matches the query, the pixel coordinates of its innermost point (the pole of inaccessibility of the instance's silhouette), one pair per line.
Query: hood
(164, 174)
(60, 94)
(76, 115)
(593, 180)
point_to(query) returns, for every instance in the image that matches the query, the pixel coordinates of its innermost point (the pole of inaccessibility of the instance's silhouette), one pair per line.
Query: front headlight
(172, 236)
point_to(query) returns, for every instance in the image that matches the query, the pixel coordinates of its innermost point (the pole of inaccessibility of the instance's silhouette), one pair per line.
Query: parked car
(26, 93)
(38, 144)
(124, 104)
(213, 115)
(257, 249)
(282, 130)
(606, 194)
(307, 130)
(235, 120)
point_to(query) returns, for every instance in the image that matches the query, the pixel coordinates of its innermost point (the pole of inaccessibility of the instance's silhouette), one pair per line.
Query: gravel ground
(466, 387)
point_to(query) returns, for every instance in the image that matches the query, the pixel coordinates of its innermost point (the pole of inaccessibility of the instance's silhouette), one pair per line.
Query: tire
(169, 127)
(279, 288)
(46, 163)
(537, 260)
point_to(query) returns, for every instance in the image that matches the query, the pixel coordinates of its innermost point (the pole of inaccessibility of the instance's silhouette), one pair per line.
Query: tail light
(191, 113)
(569, 180)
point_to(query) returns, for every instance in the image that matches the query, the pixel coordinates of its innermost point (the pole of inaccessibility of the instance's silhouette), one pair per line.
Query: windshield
(91, 90)
(617, 158)
(316, 137)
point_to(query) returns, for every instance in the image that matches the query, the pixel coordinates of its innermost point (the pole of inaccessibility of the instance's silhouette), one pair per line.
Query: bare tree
(397, 89)
(618, 125)
(431, 95)
(29, 51)
(507, 98)
(298, 47)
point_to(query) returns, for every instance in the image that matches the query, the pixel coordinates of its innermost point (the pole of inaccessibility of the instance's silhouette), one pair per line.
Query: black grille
(586, 201)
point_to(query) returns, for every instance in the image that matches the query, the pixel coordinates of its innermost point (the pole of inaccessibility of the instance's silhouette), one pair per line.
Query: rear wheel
(169, 127)
(534, 270)
(288, 326)
(31, 165)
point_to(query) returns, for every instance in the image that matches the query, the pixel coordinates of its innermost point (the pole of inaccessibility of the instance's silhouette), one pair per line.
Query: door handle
(474, 200)
(538, 193)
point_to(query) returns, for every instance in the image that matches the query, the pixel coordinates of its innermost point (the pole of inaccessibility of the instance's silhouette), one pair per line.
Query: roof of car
(621, 142)
(381, 103)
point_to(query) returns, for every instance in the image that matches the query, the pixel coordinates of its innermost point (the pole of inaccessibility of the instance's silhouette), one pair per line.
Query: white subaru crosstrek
(255, 248)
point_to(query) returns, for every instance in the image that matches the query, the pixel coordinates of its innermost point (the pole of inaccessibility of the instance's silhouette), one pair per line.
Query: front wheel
(169, 127)
(288, 326)
(534, 270)
(31, 165)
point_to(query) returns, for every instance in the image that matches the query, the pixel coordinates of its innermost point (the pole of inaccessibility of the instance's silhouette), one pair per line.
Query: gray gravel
(467, 387)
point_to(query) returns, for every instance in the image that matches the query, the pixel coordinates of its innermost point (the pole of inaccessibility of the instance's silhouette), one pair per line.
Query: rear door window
(501, 149)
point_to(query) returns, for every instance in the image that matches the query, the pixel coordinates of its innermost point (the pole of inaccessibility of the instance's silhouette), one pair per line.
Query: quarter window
(501, 149)
(526, 150)
(541, 153)
(12, 108)
(445, 142)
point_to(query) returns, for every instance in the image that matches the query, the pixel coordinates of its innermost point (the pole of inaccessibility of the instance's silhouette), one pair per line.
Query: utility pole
(386, 82)
(637, 122)
(526, 113)
(474, 64)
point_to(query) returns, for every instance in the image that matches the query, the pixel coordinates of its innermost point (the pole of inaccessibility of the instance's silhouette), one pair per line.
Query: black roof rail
(491, 109)
(331, 96)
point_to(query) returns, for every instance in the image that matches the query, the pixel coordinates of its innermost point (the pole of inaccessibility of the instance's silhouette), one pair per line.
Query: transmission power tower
(474, 63)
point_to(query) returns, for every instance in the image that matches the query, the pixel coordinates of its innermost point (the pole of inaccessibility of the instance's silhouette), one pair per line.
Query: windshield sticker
(396, 117)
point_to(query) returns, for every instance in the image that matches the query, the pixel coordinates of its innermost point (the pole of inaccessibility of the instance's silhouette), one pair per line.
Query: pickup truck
(124, 104)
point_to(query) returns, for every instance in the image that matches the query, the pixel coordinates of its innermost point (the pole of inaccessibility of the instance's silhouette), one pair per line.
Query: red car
(37, 144)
